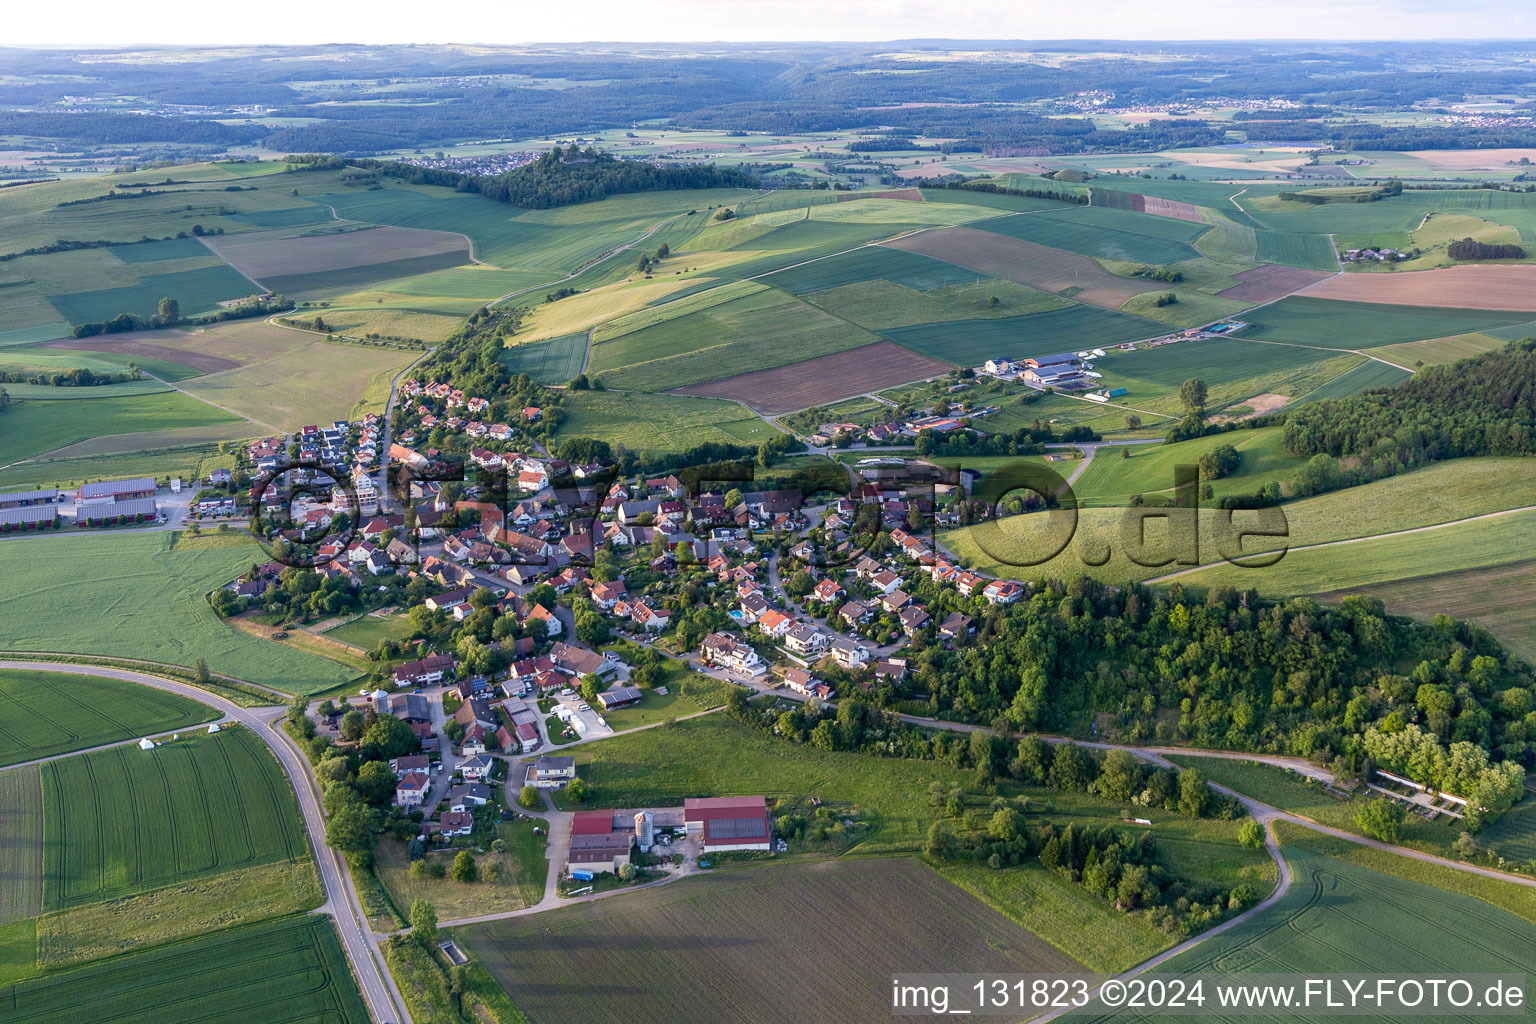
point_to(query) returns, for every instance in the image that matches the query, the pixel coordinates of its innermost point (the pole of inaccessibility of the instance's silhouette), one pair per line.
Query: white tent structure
(146, 744)
(213, 728)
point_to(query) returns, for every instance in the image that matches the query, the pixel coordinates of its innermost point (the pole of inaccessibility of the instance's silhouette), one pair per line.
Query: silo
(645, 830)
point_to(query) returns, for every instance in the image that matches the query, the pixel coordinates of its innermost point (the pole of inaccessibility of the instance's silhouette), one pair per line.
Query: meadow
(288, 970)
(1439, 350)
(47, 713)
(973, 342)
(197, 291)
(140, 596)
(1370, 374)
(659, 422)
(189, 459)
(1112, 477)
(1338, 904)
(706, 947)
(126, 820)
(32, 427)
(368, 631)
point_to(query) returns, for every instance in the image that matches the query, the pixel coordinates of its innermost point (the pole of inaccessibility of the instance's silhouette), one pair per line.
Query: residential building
(550, 772)
(412, 789)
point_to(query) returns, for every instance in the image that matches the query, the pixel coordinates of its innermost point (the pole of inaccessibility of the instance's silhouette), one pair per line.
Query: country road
(341, 902)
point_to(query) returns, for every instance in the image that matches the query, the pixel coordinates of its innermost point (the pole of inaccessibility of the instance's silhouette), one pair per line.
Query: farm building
(106, 491)
(20, 499)
(595, 844)
(618, 697)
(103, 512)
(729, 822)
(29, 517)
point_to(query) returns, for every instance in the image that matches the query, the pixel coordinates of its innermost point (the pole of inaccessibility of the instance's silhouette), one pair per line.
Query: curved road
(341, 902)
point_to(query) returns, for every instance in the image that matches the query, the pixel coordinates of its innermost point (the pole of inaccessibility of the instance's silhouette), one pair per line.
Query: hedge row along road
(341, 902)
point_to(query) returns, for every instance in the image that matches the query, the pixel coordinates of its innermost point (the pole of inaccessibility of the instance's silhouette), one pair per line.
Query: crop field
(759, 330)
(555, 361)
(1513, 836)
(1439, 350)
(1370, 374)
(287, 970)
(1119, 200)
(206, 350)
(825, 379)
(880, 305)
(1217, 361)
(1313, 252)
(908, 269)
(125, 820)
(1336, 907)
(32, 428)
(47, 713)
(1305, 319)
(973, 342)
(1270, 282)
(1038, 266)
(187, 461)
(660, 422)
(1095, 236)
(387, 321)
(314, 383)
(139, 596)
(198, 291)
(991, 200)
(705, 946)
(334, 263)
(1511, 287)
(1500, 598)
(21, 844)
(125, 389)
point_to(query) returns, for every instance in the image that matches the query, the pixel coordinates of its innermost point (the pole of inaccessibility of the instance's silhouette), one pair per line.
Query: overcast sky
(116, 22)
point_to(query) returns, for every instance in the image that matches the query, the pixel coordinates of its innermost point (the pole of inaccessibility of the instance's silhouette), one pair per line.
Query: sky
(182, 22)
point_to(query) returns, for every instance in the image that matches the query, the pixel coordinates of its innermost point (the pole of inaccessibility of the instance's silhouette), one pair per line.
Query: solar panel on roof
(738, 828)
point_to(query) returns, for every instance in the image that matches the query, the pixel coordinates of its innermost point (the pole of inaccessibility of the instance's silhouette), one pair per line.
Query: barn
(729, 823)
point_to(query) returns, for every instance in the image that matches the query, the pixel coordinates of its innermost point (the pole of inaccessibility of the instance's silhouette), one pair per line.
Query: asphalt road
(341, 902)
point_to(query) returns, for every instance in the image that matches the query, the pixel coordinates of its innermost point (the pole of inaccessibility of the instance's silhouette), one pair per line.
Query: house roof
(103, 488)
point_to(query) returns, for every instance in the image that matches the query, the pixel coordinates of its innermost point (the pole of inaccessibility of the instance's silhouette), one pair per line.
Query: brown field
(915, 195)
(1012, 259)
(1496, 286)
(1271, 282)
(783, 389)
(836, 932)
(1501, 599)
(1472, 159)
(140, 345)
(1159, 207)
(260, 254)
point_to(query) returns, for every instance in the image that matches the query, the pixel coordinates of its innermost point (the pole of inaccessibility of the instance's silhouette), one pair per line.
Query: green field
(32, 428)
(1094, 236)
(556, 361)
(124, 389)
(1332, 323)
(1383, 924)
(288, 970)
(706, 945)
(1439, 350)
(972, 342)
(369, 631)
(908, 269)
(1218, 362)
(127, 820)
(48, 713)
(137, 595)
(760, 329)
(1472, 545)
(651, 422)
(188, 461)
(880, 305)
(1312, 252)
(1368, 375)
(1500, 598)
(21, 849)
(198, 291)
(1111, 478)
